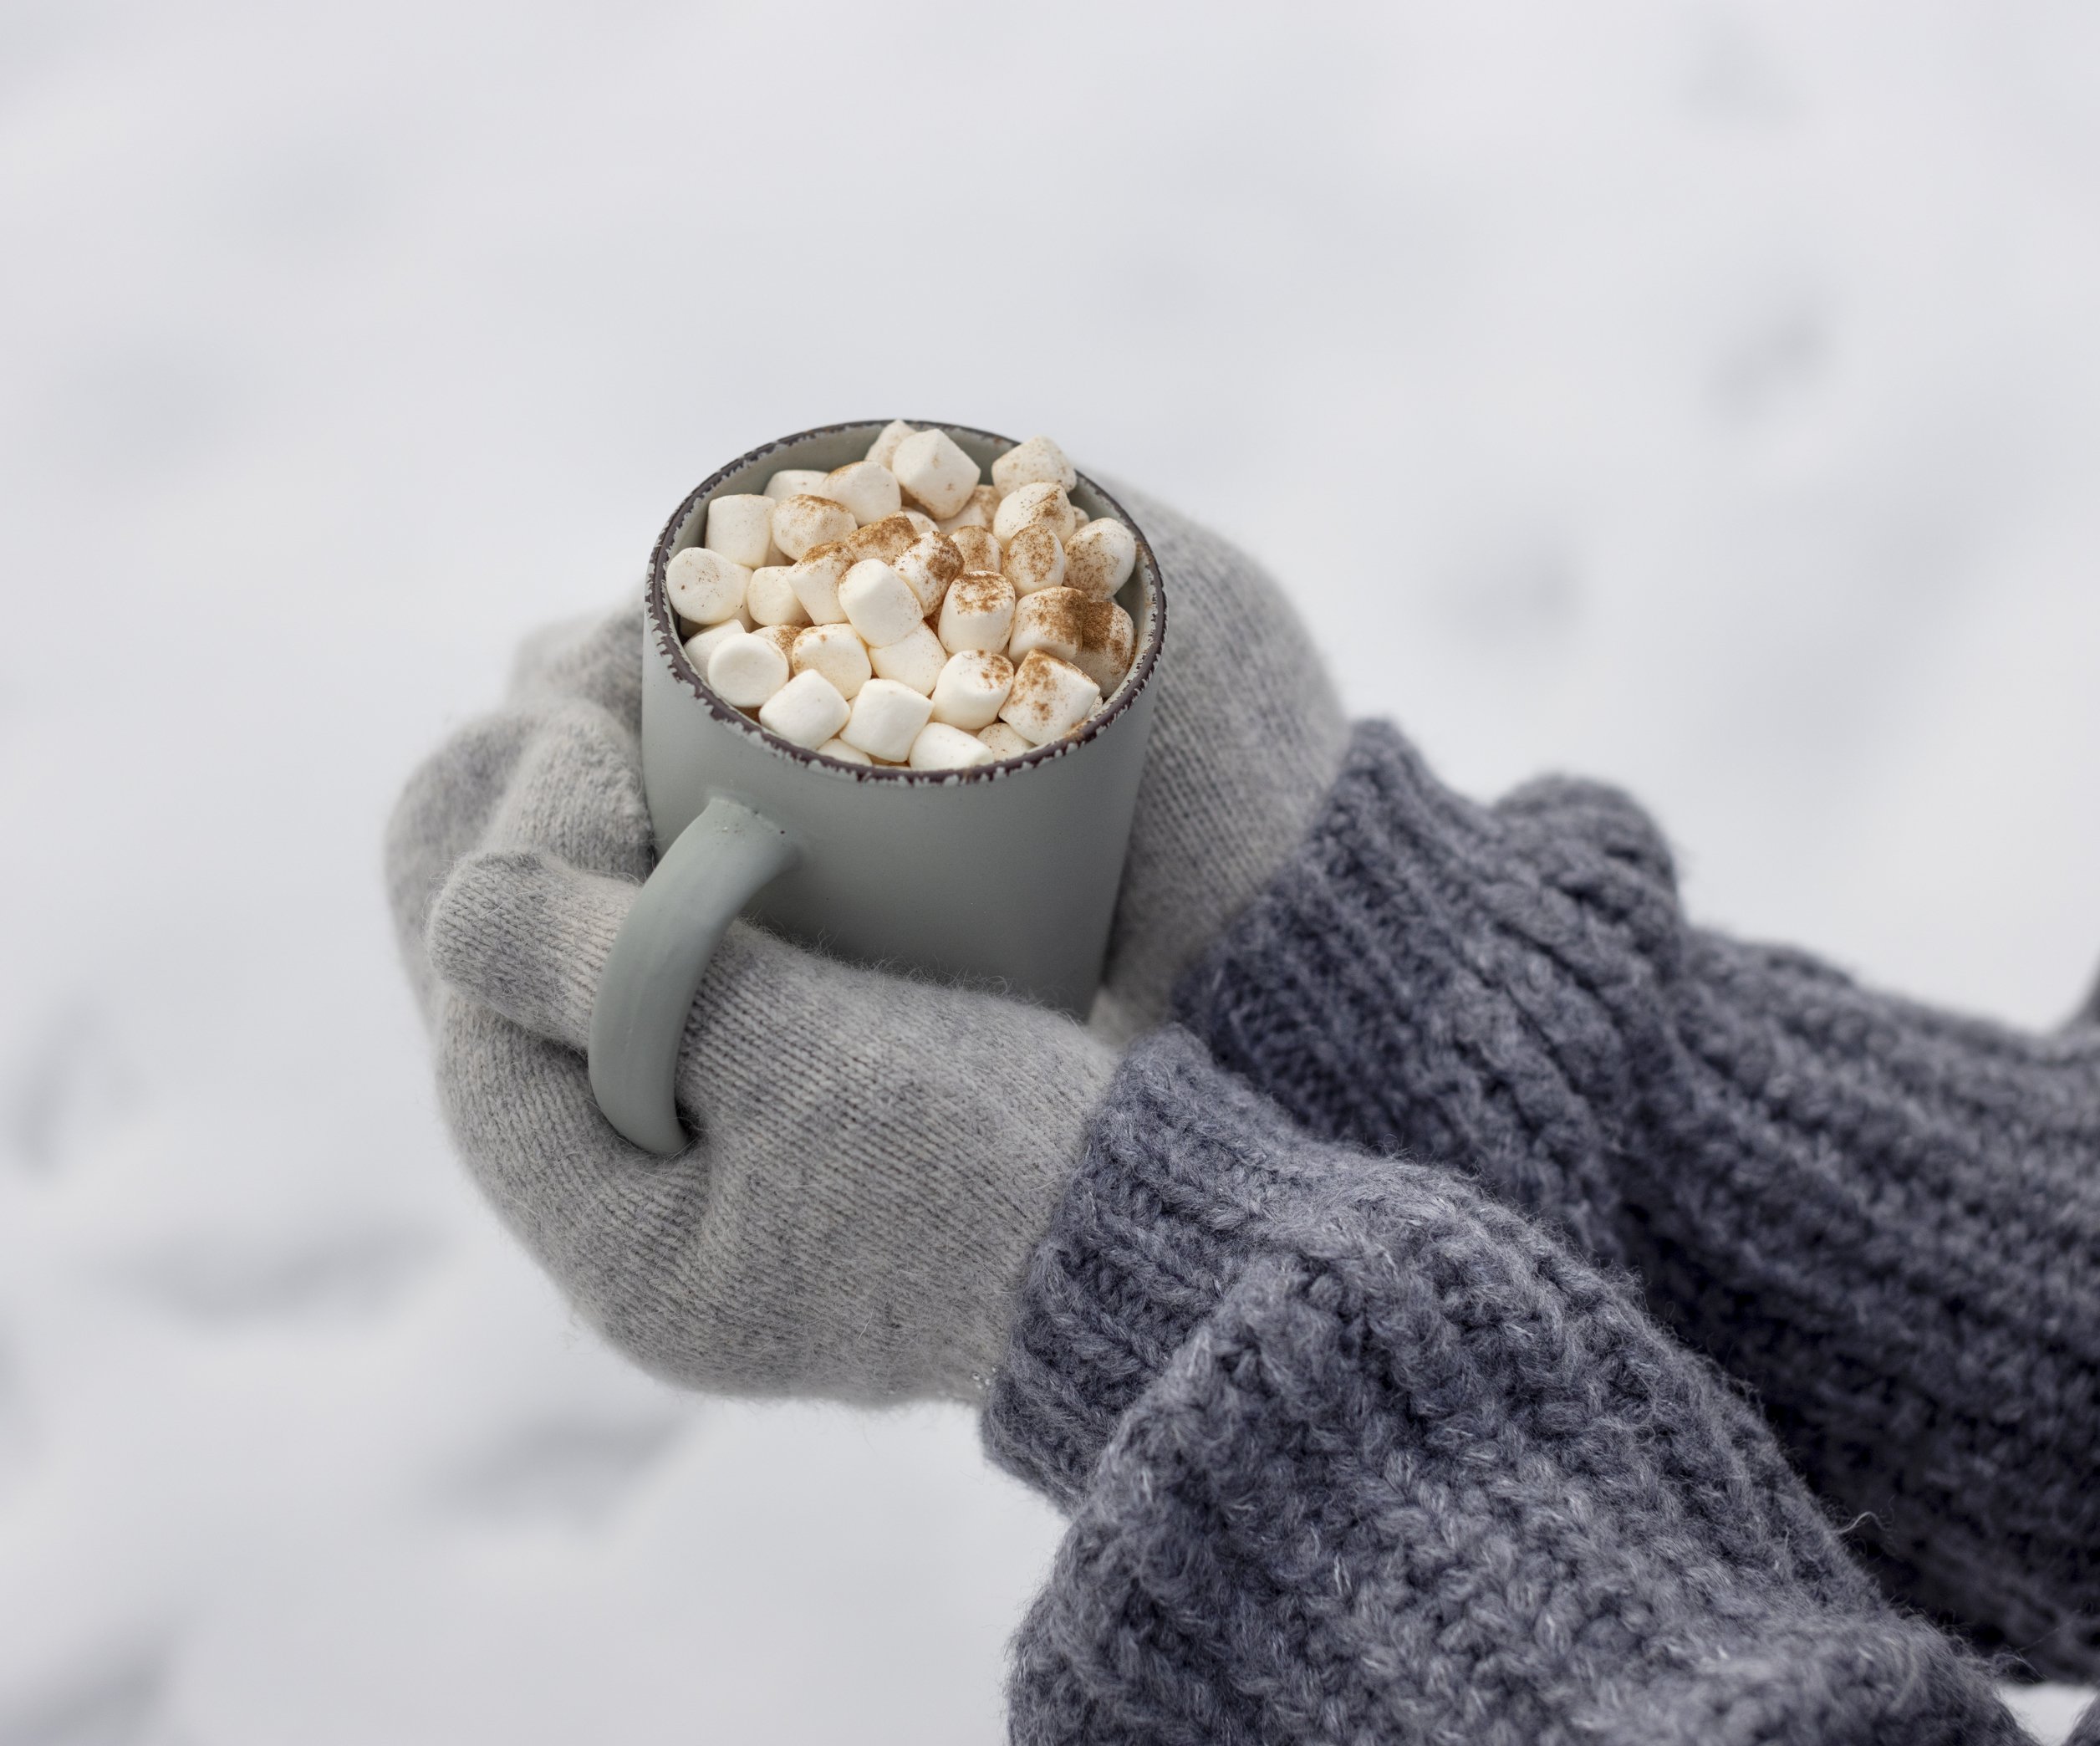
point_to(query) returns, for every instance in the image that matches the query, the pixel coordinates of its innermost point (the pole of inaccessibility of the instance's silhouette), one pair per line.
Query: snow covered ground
(1705, 396)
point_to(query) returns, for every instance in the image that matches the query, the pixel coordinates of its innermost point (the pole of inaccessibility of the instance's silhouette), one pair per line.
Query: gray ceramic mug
(1004, 874)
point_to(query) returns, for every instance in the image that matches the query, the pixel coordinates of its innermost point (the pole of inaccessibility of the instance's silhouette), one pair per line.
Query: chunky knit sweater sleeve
(1353, 1453)
(1883, 1218)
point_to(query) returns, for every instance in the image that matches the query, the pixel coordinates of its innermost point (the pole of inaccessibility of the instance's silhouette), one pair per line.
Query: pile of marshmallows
(974, 624)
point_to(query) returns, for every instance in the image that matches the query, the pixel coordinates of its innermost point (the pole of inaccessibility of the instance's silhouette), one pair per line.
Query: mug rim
(663, 626)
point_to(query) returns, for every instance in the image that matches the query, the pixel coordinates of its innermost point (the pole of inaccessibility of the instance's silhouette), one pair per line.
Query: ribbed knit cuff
(1841, 1681)
(1184, 1170)
(1351, 1453)
(1431, 978)
(1885, 1220)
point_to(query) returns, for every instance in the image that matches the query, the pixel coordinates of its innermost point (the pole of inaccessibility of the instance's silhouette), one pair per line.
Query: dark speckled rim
(663, 625)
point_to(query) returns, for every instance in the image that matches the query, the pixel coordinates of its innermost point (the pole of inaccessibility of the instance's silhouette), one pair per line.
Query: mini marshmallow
(815, 581)
(1099, 558)
(975, 625)
(970, 689)
(886, 718)
(705, 586)
(977, 613)
(1049, 697)
(1036, 461)
(867, 487)
(1034, 559)
(888, 540)
(976, 511)
(940, 748)
(747, 669)
(980, 550)
(700, 650)
(771, 598)
(930, 564)
(836, 651)
(1004, 742)
(1041, 501)
(805, 521)
(743, 621)
(807, 710)
(936, 472)
(879, 604)
(794, 481)
(1051, 620)
(915, 660)
(1107, 641)
(741, 528)
(884, 449)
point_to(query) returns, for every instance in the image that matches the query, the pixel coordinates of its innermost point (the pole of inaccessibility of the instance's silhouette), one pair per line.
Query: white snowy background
(1705, 396)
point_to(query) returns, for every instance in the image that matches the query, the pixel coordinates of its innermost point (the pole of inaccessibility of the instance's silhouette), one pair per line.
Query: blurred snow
(1704, 395)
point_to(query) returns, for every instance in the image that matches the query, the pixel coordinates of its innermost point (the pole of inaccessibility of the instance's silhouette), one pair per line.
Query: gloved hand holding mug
(875, 1154)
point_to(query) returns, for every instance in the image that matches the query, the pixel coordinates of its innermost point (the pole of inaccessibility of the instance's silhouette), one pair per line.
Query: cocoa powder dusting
(1034, 681)
(980, 591)
(888, 540)
(1060, 614)
(1036, 684)
(943, 557)
(976, 547)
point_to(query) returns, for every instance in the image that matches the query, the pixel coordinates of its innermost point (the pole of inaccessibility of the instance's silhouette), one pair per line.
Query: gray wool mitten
(1247, 737)
(875, 1157)
(876, 1154)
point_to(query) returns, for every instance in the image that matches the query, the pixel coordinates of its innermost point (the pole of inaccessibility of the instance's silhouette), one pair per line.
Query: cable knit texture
(1883, 1218)
(1354, 1453)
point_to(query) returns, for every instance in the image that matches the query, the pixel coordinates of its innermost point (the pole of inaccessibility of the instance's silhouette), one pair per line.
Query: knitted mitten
(1353, 1453)
(1883, 1218)
(854, 1213)
(1247, 737)
(874, 1154)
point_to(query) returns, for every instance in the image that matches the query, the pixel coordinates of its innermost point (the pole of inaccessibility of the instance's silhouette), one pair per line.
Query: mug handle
(719, 862)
